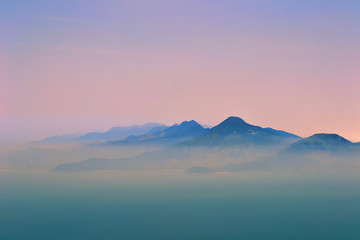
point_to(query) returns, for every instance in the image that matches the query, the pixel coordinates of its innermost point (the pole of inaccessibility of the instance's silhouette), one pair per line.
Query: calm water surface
(46, 205)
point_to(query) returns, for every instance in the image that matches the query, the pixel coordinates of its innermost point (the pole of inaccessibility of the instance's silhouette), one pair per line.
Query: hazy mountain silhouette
(223, 134)
(189, 141)
(321, 142)
(235, 131)
(122, 132)
(305, 153)
(61, 138)
(173, 134)
(144, 160)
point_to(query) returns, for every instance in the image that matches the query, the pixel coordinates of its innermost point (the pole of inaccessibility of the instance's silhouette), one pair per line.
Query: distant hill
(175, 133)
(235, 131)
(197, 170)
(61, 138)
(321, 142)
(117, 133)
(317, 151)
(144, 160)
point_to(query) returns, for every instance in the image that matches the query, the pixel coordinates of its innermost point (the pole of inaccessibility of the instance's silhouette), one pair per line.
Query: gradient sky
(76, 66)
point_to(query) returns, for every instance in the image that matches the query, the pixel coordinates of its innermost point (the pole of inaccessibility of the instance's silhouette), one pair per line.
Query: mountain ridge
(175, 133)
(120, 132)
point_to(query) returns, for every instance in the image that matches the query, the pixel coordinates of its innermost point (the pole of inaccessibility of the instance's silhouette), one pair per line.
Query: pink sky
(91, 70)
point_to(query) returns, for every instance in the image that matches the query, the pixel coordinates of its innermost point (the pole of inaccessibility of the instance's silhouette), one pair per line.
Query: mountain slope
(282, 133)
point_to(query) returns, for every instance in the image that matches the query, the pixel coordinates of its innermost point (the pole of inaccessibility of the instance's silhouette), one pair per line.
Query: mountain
(321, 142)
(173, 134)
(318, 151)
(146, 160)
(61, 138)
(185, 129)
(235, 131)
(122, 132)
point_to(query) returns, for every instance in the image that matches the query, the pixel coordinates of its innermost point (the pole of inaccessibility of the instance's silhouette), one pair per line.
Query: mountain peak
(189, 123)
(330, 138)
(230, 125)
(234, 120)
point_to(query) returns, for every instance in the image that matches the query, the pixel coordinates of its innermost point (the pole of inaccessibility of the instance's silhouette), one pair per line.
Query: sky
(84, 65)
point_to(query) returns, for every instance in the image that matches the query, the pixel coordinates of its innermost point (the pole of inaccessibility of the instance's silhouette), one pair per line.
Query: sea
(40, 204)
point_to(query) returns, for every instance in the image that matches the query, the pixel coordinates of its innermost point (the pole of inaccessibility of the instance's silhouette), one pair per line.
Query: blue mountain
(176, 133)
(235, 131)
(321, 142)
(122, 132)
(61, 138)
(303, 154)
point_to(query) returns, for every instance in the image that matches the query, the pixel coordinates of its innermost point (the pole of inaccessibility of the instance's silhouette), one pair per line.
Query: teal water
(45, 205)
